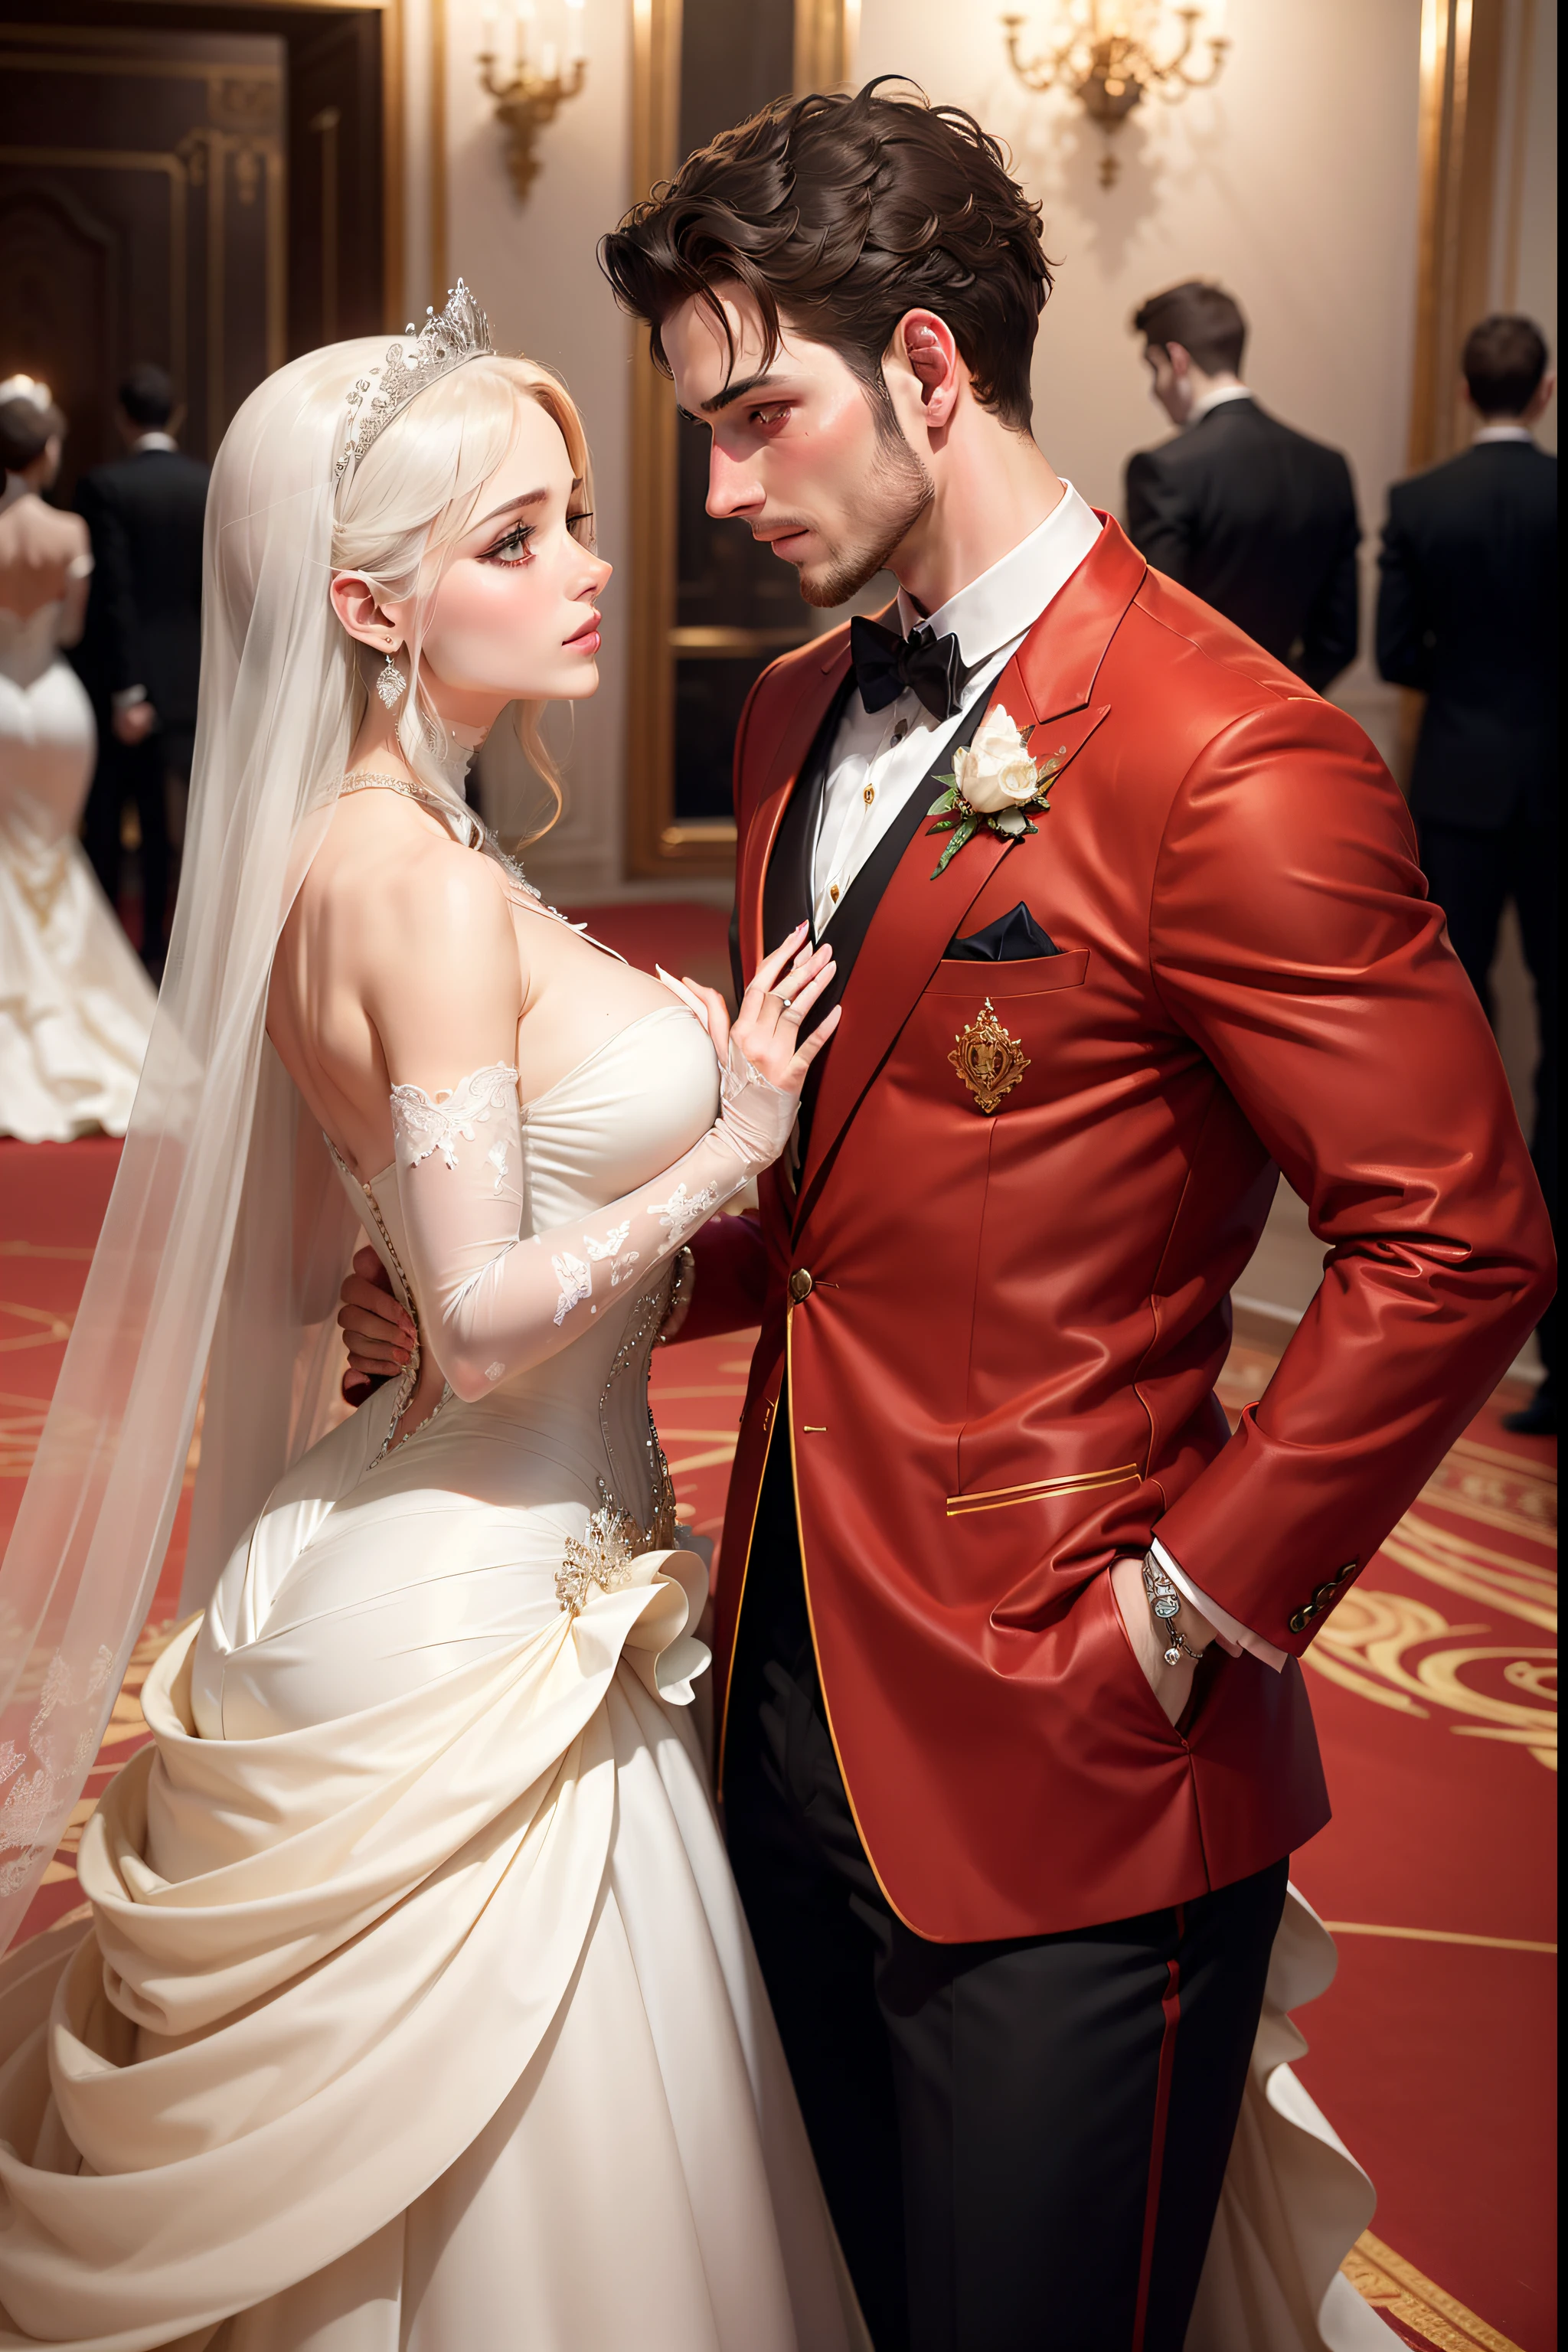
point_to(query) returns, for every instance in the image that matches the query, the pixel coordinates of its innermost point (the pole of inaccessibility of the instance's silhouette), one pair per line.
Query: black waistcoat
(787, 893)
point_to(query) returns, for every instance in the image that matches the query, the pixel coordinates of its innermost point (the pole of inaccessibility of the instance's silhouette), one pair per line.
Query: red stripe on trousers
(1172, 2004)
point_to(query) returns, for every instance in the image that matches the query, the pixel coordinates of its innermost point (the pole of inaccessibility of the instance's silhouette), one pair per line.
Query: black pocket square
(1010, 939)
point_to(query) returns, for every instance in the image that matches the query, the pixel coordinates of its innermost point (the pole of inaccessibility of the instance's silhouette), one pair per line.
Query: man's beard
(897, 495)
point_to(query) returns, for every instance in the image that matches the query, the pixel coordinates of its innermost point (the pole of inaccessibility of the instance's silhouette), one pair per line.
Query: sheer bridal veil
(226, 1233)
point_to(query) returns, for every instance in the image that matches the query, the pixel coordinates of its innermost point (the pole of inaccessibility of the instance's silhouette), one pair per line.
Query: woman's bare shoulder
(38, 543)
(402, 896)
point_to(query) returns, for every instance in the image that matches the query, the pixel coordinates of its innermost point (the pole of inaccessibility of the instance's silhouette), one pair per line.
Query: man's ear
(925, 345)
(1180, 360)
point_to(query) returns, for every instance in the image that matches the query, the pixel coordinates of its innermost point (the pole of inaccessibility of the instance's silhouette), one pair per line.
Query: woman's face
(515, 617)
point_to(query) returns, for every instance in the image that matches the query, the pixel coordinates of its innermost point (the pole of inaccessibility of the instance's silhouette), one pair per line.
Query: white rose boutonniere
(995, 783)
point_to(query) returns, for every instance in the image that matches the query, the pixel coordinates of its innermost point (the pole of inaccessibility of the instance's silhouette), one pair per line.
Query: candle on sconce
(542, 75)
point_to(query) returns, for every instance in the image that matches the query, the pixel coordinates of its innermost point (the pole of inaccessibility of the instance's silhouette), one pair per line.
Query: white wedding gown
(417, 2013)
(76, 1006)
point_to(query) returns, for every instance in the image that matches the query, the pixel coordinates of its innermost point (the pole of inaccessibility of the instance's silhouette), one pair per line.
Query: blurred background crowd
(1329, 256)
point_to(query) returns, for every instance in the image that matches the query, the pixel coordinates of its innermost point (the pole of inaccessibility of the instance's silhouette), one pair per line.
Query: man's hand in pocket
(1172, 1686)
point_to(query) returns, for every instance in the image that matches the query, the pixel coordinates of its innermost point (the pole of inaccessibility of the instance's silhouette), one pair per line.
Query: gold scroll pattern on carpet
(1416, 2303)
(1402, 1653)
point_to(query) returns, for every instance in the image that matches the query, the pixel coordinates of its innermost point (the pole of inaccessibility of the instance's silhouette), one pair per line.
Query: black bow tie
(886, 666)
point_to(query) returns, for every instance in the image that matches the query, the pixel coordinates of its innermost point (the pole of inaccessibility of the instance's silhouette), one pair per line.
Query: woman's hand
(770, 1009)
(766, 1029)
(765, 1060)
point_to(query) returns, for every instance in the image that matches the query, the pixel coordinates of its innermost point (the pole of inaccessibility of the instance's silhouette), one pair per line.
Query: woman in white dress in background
(416, 2011)
(75, 1005)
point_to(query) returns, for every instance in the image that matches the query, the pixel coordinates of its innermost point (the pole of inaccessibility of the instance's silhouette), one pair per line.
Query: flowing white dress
(76, 1006)
(417, 2011)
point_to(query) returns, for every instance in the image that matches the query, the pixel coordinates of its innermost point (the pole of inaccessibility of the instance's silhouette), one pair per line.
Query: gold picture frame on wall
(659, 841)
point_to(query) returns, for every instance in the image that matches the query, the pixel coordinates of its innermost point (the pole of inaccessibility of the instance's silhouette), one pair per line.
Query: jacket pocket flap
(1025, 976)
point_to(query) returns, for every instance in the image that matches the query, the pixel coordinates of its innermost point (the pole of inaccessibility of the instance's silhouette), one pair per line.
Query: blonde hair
(414, 495)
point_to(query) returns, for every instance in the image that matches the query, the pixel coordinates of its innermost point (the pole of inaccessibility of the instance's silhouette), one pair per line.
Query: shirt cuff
(1232, 1634)
(128, 698)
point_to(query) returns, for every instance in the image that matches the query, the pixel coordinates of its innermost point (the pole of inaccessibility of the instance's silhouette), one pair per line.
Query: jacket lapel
(760, 832)
(1046, 685)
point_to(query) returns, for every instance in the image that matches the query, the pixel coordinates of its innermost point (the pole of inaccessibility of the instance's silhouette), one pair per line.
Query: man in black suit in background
(1254, 519)
(141, 652)
(1467, 613)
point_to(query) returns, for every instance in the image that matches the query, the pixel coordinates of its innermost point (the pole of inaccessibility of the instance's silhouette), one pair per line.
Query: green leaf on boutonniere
(955, 845)
(950, 798)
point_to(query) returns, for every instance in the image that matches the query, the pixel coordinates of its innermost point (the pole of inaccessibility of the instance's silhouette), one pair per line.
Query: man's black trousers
(1022, 2143)
(134, 773)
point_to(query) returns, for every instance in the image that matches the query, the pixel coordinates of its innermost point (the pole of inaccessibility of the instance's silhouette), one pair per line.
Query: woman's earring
(392, 686)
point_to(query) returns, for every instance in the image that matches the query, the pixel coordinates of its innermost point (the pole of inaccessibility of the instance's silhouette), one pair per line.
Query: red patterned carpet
(1434, 1689)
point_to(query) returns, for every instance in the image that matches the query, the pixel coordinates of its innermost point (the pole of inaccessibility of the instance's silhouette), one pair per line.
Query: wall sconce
(530, 91)
(1104, 55)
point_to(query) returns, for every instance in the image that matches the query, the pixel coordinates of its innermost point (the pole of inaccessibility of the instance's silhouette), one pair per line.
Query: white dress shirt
(1502, 433)
(1216, 399)
(879, 758)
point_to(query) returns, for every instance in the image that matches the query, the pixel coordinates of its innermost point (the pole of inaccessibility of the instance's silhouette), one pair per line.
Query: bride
(413, 2008)
(74, 1003)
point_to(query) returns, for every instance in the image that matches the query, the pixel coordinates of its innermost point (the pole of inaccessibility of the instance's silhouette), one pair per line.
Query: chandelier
(1109, 56)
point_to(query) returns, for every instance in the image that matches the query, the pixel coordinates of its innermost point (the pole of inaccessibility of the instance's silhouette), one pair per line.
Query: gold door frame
(825, 32)
(1461, 77)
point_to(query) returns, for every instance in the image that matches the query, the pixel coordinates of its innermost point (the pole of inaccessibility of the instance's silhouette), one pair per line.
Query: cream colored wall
(532, 265)
(1293, 183)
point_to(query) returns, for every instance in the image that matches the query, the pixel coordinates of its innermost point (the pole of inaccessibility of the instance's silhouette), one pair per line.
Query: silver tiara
(421, 356)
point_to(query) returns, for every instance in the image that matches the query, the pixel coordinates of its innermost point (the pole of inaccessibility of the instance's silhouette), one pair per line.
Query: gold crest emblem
(988, 1059)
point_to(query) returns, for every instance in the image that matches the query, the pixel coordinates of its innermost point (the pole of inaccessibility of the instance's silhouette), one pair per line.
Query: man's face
(1171, 384)
(803, 453)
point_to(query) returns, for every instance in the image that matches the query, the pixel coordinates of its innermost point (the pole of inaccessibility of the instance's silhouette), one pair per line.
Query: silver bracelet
(1166, 1604)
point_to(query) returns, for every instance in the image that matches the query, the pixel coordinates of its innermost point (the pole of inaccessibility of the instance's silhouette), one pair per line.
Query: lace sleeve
(496, 1305)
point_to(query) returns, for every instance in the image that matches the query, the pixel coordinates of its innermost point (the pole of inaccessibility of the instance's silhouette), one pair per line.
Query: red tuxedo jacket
(1002, 1330)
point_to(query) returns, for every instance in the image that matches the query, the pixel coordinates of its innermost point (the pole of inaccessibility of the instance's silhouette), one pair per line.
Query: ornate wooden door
(203, 197)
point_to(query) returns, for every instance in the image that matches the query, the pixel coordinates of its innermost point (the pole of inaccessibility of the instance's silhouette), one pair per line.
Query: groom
(1011, 1836)
(1015, 1743)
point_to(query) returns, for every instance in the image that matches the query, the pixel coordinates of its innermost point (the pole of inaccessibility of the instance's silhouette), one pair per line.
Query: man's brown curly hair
(841, 214)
